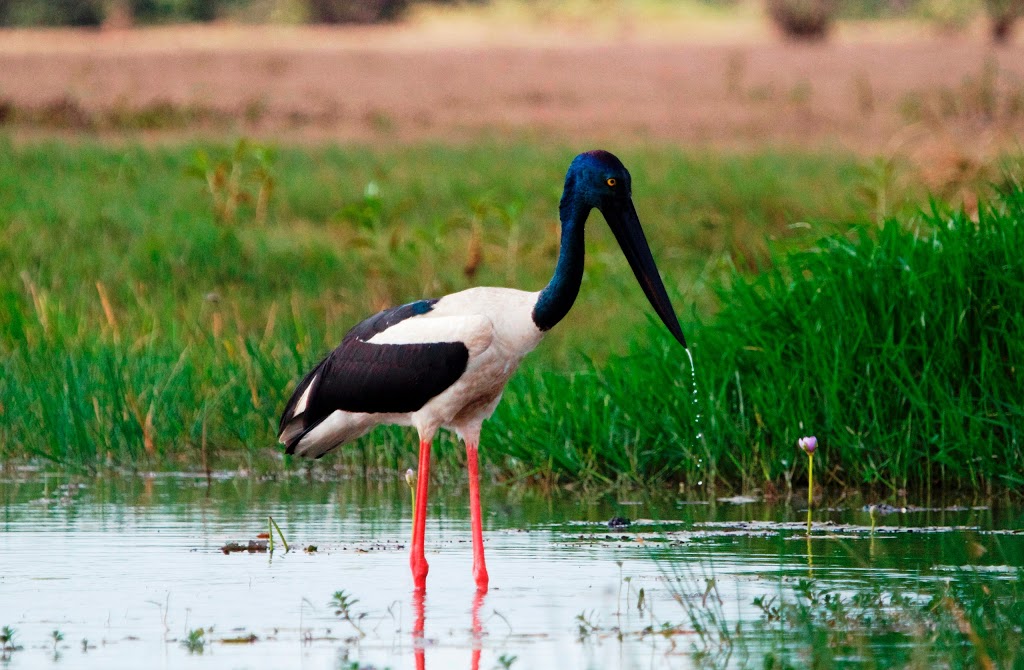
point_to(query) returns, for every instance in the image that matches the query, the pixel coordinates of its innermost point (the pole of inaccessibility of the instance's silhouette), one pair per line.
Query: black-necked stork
(443, 363)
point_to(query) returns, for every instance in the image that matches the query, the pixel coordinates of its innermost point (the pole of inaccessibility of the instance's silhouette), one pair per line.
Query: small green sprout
(586, 626)
(7, 643)
(342, 604)
(195, 642)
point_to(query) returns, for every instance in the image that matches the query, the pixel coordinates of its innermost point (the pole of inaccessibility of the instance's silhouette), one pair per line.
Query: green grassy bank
(896, 345)
(159, 303)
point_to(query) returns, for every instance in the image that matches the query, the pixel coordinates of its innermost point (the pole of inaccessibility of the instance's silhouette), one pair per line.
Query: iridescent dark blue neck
(557, 298)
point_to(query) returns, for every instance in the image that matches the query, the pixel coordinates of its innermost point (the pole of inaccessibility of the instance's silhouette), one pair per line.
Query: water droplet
(696, 398)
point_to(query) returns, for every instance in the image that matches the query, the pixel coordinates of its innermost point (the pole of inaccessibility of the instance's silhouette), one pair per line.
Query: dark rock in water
(619, 522)
(253, 546)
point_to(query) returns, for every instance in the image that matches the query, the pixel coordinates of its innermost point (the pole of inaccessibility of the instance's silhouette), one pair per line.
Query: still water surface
(125, 568)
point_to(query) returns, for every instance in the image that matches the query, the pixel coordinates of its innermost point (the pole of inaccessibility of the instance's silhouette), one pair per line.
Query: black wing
(373, 378)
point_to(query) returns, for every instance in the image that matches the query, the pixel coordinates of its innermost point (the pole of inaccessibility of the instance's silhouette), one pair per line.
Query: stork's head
(599, 180)
(596, 179)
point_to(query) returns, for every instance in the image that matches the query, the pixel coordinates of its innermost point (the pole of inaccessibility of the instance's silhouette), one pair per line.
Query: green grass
(896, 346)
(970, 619)
(160, 303)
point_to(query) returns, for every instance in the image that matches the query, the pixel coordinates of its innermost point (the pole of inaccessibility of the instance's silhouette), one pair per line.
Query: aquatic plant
(410, 481)
(271, 527)
(195, 641)
(972, 620)
(342, 604)
(7, 642)
(356, 665)
(809, 445)
(586, 625)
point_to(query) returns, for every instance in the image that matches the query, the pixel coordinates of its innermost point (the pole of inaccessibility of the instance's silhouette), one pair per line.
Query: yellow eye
(611, 181)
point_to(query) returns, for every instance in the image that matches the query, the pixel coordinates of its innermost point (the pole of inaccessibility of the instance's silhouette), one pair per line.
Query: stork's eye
(611, 181)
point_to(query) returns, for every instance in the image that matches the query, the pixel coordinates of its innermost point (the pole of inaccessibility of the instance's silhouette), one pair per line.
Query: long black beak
(625, 224)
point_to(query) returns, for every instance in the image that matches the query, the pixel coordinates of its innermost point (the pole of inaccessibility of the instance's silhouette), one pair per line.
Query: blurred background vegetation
(803, 19)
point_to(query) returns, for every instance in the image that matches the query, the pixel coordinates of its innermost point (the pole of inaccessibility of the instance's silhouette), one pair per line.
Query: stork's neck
(558, 296)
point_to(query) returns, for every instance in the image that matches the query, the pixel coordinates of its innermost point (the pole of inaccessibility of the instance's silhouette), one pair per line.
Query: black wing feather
(378, 378)
(361, 377)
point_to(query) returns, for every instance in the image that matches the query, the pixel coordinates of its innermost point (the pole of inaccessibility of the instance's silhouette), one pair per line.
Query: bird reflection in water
(419, 642)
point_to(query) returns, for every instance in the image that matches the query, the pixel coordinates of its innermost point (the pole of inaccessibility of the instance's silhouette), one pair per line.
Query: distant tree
(355, 11)
(118, 14)
(202, 10)
(803, 19)
(51, 12)
(1004, 13)
(166, 11)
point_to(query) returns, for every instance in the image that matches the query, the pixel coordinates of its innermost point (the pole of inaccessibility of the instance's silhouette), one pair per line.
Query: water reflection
(92, 556)
(419, 622)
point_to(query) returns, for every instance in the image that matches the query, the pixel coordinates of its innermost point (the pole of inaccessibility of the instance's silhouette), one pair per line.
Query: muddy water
(125, 568)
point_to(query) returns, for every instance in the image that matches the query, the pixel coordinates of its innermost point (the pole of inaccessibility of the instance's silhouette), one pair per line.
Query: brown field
(869, 91)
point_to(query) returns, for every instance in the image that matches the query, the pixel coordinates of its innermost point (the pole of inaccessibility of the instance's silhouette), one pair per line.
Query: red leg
(479, 566)
(478, 631)
(419, 610)
(417, 561)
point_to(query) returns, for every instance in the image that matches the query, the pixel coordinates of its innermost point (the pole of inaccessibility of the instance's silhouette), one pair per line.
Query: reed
(893, 344)
(171, 335)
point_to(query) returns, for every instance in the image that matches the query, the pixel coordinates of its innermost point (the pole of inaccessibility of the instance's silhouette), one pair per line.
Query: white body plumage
(497, 329)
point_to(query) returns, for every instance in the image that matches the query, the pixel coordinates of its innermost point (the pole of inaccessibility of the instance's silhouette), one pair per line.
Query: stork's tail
(295, 418)
(307, 431)
(326, 434)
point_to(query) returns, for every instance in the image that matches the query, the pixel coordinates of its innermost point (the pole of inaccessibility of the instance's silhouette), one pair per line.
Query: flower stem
(410, 479)
(810, 488)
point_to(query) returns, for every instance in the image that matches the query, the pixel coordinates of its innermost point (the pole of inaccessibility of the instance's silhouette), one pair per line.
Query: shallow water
(132, 565)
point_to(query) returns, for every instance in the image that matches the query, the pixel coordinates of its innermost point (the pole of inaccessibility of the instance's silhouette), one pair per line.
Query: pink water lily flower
(808, 444)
